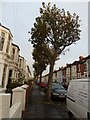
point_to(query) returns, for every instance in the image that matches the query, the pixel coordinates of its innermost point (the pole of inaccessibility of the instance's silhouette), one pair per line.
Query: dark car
(58, 91)
(47, 85)
(37, 83)
(65, 85)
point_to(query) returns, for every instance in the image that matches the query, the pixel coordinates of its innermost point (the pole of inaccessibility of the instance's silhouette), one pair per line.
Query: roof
(21, 57)
(16, 46)
(68, 65)
(75, 62)
(6, 28)
(81, 80)
(88, 57)
(28, 69)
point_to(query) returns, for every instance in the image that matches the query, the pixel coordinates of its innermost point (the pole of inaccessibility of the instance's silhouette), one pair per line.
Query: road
(62, 108)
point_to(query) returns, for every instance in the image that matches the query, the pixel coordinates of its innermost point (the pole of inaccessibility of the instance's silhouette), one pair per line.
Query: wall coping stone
(24, 86)
(2, 90)
(18, 89)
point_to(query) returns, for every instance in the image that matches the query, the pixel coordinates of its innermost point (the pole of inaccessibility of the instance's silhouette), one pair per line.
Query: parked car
(78, 99)
(58, 91)
(42, 84)
(65, 85)
(38, 83)
(46, 86)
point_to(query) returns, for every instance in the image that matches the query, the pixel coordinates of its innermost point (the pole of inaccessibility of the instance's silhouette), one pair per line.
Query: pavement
(38, 107)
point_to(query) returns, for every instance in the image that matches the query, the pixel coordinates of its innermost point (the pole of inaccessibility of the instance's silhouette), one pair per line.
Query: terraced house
(11, 63)
(77, 69)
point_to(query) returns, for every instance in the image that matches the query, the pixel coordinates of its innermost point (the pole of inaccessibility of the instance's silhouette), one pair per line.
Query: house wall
(5, 47)
(73, 71)
(59, 76)
(10, 59)
(54, 76)
(68, 76)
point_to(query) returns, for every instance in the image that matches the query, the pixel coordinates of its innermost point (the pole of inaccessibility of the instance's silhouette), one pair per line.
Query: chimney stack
(81, 58)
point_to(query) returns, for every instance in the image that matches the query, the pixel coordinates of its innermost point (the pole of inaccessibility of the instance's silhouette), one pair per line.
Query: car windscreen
(57, 86)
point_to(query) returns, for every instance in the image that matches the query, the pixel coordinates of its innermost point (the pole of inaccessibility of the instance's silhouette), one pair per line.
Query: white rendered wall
(1, 73)
(4, 105)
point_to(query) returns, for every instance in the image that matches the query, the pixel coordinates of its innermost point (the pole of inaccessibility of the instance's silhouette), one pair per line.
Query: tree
(21, 77)
(58, 30)
(41, 62)
(39, 68)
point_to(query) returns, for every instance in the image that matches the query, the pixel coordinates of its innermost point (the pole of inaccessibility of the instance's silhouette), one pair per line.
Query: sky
(20, 16)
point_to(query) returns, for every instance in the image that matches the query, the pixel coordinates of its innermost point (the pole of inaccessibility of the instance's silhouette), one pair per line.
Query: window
(79, 68)
(16, 75)
(8, 44)
(4, 75)
(88, 73)
(17, 56)
(89, 64)
(85, 65)
(85, 75)
(79, 76)
(9, 77)
(2, 38)
(13, 52)
(20, 63)
(56, 74)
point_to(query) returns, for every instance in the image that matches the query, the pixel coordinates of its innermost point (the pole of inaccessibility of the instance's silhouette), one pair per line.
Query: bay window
(2, 39)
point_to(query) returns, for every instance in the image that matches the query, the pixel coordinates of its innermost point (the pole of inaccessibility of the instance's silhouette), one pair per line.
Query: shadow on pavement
(38, 108)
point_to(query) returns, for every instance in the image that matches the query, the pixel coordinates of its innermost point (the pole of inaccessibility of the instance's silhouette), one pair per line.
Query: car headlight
(66, 94)
(63, 94)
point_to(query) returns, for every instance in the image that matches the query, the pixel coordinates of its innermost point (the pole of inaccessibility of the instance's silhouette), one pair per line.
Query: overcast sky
(20, 16)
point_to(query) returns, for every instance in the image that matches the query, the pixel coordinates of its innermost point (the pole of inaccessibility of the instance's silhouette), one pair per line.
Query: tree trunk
(40, 77)
(50, 80)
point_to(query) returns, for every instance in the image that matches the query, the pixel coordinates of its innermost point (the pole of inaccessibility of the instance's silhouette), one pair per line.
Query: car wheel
(71, 116)
(52, 97)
